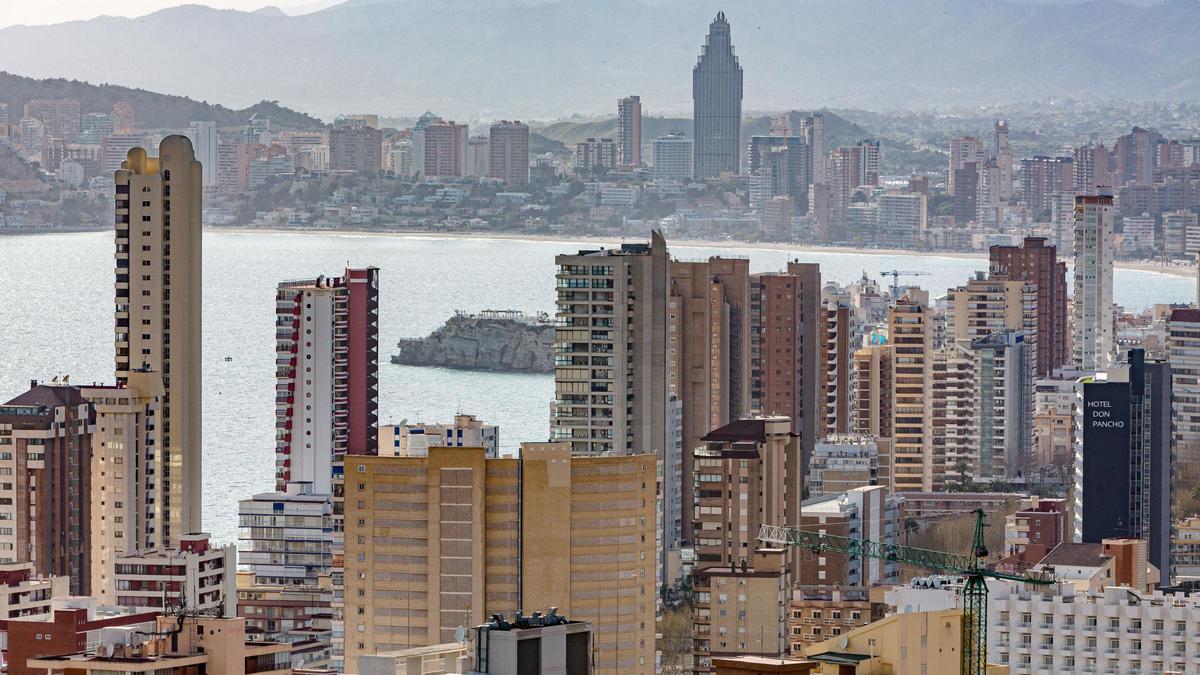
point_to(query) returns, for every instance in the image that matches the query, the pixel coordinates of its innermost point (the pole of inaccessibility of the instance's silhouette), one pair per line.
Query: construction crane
(974, 592)
(895, 275)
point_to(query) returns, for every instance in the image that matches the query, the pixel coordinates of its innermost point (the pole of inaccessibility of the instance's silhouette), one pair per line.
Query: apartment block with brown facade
(45, 482)
(708, 350)
(438, 542)
(1037, 262)
(820, 612)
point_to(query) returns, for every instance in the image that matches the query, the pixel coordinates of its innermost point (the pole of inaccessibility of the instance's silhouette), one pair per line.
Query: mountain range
(548, 58)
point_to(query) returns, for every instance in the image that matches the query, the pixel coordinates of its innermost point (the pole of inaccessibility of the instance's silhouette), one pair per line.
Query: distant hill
(154, 111)
(530, 59)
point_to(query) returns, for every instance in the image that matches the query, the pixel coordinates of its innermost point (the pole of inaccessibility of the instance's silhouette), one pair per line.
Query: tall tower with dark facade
(717, 104)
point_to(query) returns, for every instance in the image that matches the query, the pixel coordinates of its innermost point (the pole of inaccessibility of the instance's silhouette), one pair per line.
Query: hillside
(534, 59)
(154, 111)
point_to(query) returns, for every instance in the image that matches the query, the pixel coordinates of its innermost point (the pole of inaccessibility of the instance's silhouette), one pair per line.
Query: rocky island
(500, 340)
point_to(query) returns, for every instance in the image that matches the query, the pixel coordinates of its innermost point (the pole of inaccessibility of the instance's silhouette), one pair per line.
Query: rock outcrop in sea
(499, 340)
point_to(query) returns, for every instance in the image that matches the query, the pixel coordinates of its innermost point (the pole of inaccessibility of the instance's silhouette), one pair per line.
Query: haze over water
(58, 299)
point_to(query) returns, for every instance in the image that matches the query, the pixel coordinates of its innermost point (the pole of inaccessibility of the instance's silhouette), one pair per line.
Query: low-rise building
(918, 642)
(538, 645)
(741, 610)
(818, 613)
(1111, 630)
(202, 644)
(413, 439)
(1036, 529)
(862, 513)
(24, 593)
(201, 575)
(843, 462)
(73, 624)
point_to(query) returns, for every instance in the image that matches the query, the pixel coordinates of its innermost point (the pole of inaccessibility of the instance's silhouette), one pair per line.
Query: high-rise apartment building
(873, 392)
(444, 150)
(1135, 157)
(610, 374)
(673, 157)
(1092, 302)
(1037, 262)
(708, 349)
(743, 477)
(954, 413)
(836, 361)
(479, 161)
(964, 150)
(438, 542)
(508, 152)
(594, 154)
(203, 135)
(910, 333)
(785, 348)
(812, 130)
(986, 304)
(1092, 169)
(629, 130)
(902, 219)
(327, 374)
(158, 254)
(1004, 386)
(783, 164)
(1123, 463)
(776, 218)
(124, 487)
(1183, 353)
(717, 104)
(60, 115)
(1043, 179)
(1003, 156)
(45, 447)
(355, 148)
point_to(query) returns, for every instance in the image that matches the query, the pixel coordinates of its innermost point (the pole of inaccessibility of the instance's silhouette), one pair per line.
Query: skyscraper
(327, 380)
(355, 148)
(508, 152)
(610, 374)
(717, 104)
(708, 349)
(673, 158)
(910, 332)
(445, 150)
(1092, 310)
(785, 350)
(1037, 263)
(204, 140)
(1123, 460)
(964, 150)
(629, 130)
(1004, 160)
(158, 254)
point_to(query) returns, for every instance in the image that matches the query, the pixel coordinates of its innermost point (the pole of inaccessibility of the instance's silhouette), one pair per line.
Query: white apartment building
(287, 537)
(673, 157)
(205, 576)
(1092, 301)
(413, 439)
(24, 593)
(1116, 631)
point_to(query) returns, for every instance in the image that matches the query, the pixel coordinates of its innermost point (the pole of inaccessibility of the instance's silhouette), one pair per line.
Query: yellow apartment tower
(438, 542)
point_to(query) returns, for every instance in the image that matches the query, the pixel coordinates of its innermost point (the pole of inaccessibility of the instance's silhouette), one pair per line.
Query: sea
(56, 295)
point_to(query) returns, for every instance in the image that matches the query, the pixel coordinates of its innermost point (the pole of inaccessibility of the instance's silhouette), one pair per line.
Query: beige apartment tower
(438, 542)
(158, 273)
(910, 332)
(610, 360)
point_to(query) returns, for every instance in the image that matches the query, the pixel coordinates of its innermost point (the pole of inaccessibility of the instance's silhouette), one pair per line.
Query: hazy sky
(54, 11)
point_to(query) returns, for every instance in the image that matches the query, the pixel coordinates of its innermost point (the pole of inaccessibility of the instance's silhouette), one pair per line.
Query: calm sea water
(57, 320)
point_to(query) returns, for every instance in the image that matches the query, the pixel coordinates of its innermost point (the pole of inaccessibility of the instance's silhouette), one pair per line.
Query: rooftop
(1077, 555)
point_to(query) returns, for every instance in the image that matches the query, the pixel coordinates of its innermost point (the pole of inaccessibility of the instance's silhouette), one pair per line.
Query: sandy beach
(1171, 269)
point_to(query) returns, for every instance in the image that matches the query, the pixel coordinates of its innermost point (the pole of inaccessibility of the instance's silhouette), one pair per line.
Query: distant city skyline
(43, 13)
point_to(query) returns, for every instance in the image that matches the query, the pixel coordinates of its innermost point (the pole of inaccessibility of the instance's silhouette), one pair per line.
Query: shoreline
(1181, 270)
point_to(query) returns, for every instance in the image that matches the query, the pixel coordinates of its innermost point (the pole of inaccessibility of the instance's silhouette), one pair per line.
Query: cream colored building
(910, 333)
(413, 439)
(741, 610)
(124, 487)
(158, 280)
(985, 305)
(441, 542)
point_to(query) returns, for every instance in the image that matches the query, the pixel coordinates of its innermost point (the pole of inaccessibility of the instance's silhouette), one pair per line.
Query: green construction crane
(974, 592)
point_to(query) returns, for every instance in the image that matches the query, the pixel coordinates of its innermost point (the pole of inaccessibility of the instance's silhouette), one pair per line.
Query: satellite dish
(460, 634)
(842, 643)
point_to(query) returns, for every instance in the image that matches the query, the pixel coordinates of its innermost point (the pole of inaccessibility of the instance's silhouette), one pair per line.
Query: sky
(35, 12)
